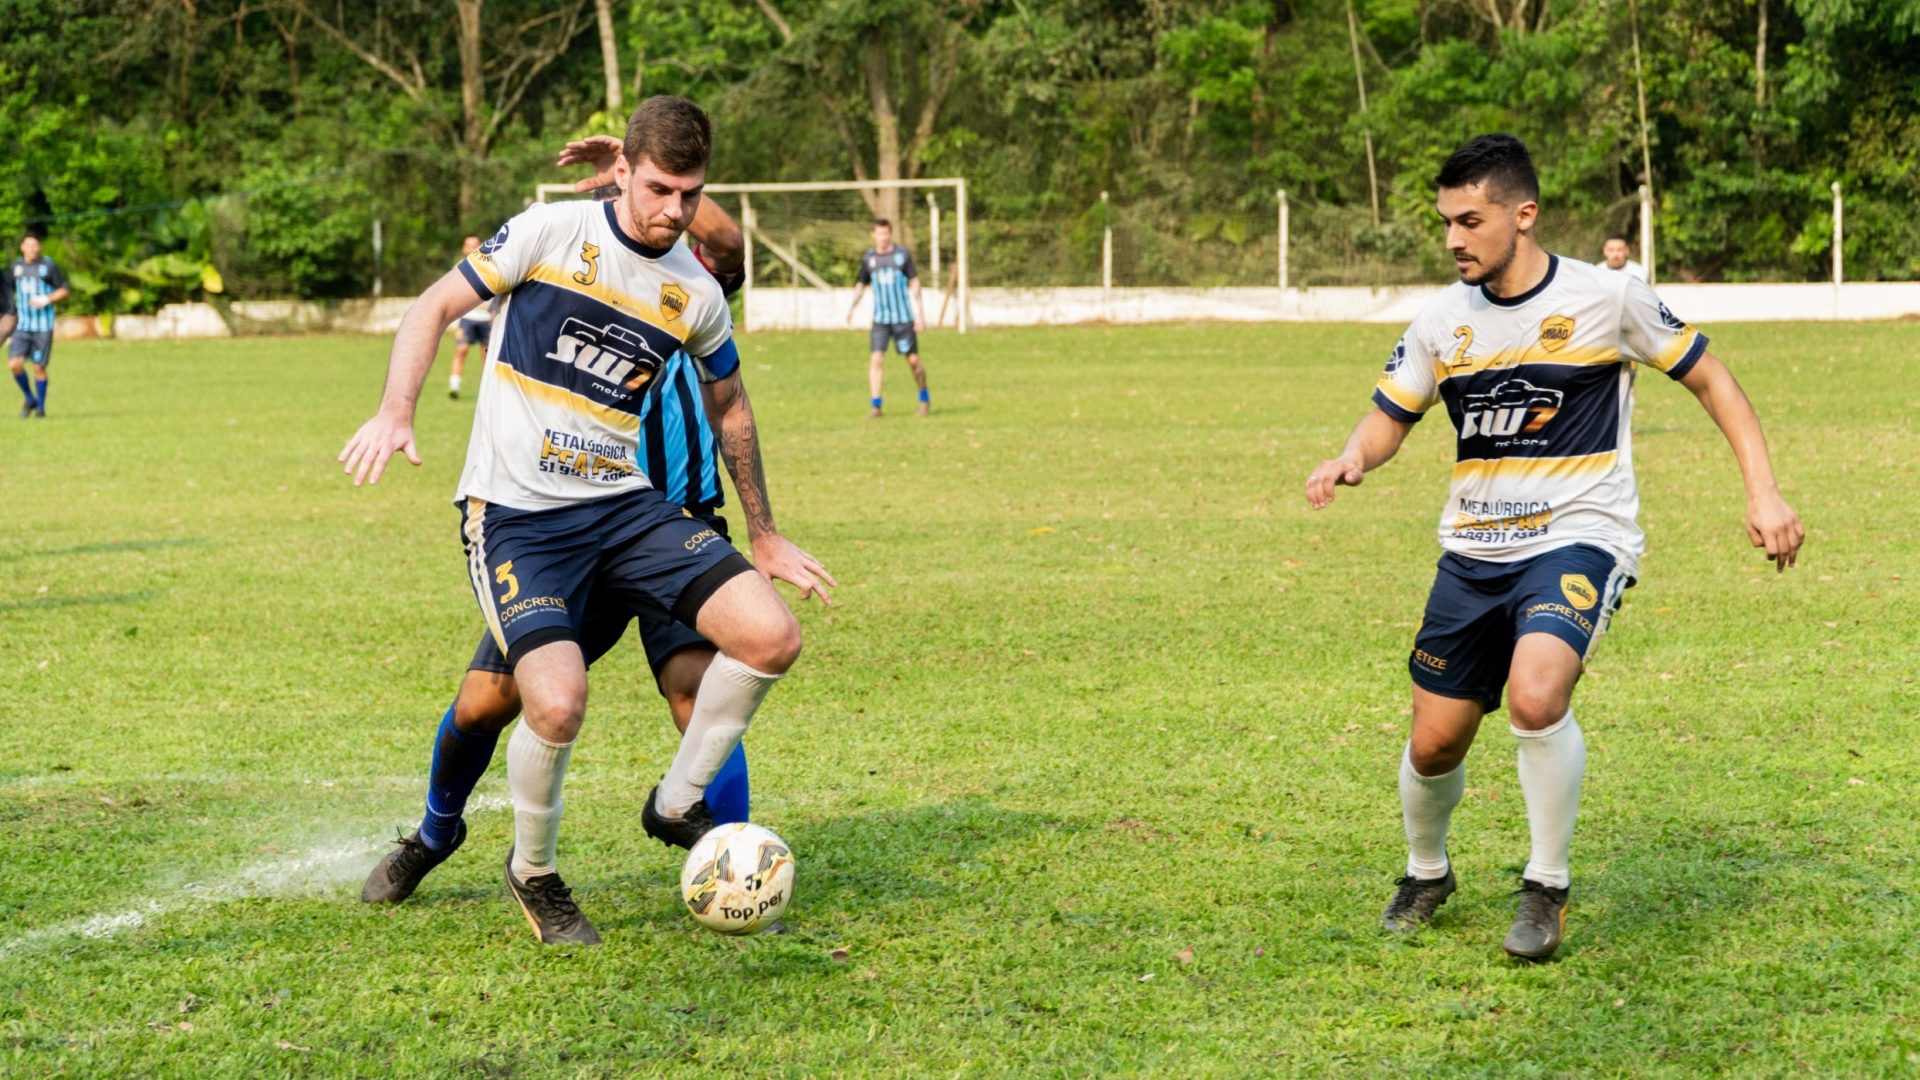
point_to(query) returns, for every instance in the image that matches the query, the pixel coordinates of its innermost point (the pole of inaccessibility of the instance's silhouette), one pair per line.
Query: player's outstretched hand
(365, 455)
(1772, 524)
(780, 559)
(1331, 474)
(595, 150)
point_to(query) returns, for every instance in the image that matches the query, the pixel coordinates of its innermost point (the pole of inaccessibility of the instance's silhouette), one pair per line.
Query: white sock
(535, 770)
(1552, 761)
(728, 696)
(453, 383)
(1426, 804)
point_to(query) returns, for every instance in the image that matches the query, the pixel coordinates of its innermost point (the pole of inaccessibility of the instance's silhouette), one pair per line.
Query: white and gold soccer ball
(738, 879)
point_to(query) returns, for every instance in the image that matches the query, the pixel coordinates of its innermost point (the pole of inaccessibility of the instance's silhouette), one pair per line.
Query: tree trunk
(609, 55)
(886, 132)
(473, 91)
(1366, 127)
(1760, 62)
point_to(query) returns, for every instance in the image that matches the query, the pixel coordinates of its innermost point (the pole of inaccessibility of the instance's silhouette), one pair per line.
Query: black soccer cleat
(27, 411)
(401, 870)
(1539, 923)
(548, 905)
(683, 832)
(1414, 902)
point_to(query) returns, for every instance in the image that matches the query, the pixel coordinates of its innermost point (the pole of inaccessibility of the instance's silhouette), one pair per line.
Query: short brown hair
(671, 131)
(882, 223)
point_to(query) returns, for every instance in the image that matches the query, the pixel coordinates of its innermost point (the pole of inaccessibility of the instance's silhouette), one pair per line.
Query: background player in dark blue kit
(36, 284)
(896, 304)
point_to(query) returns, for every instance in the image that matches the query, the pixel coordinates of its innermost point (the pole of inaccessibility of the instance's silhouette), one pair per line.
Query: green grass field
(1090, 769)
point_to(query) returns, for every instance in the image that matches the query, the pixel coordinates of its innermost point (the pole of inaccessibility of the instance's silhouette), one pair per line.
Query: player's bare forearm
(1374, 441)
(858, 292)
(721, 241)
(1771, 524)
(7, 323)
(390, 431)
(1723, 399)
(731, 413)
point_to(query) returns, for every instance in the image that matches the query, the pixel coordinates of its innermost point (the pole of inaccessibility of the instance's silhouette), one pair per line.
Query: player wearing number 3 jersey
(1533, 358)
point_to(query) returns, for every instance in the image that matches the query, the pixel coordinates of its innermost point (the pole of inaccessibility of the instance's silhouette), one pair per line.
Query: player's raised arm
(1375, 439)
(1771, 523)
(390, 431)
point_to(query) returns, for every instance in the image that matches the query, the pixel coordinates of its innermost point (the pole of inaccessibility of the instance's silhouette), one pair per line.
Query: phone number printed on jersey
(1502, 521)
(566, 454)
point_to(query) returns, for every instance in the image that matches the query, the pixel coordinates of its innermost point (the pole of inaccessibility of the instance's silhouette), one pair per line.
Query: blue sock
(727, 795)
(459, 760)
(876, 403)
(40, 388)
(923, 395)
(25, 386)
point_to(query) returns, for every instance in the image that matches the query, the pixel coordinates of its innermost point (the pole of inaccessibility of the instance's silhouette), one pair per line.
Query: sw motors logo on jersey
(612, 353)
(1514, 407)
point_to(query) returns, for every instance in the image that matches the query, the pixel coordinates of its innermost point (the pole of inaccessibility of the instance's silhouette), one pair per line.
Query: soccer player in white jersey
(599, 296)
(1534, 358)
(1616, 254)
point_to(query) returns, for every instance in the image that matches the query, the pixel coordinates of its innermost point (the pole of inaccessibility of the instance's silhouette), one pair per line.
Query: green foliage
(146, 135)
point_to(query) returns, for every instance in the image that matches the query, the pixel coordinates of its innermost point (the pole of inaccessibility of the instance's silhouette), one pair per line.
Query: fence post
(746, 286)
(960, 253)
(376, 256)
(1106, 247)
(1283, 239)
(1838, 237)
(1646, 231)
(933, 214)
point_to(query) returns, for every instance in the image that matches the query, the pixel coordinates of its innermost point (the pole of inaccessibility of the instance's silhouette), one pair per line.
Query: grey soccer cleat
(548, 905)
(1414, 902)
(1539, 923)
(401, 870)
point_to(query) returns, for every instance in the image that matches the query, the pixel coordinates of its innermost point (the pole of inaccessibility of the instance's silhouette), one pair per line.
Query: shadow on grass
(49, 603)
(112, 547)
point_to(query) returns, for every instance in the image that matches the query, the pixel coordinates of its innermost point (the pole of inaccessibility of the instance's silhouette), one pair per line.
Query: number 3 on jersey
(589, 254)
(504, 576)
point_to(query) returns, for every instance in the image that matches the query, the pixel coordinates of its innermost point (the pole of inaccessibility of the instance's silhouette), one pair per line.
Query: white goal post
(756, 238)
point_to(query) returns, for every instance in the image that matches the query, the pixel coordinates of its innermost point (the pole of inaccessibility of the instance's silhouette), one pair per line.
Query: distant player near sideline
(555, 503)
(1614, 255)
(37, 285)
(1533, 357)
(896, 306)
(472, 328)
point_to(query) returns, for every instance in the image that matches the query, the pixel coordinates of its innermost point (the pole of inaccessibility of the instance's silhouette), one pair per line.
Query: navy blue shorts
(474, 332)
(1478, 609)
(533, 570)
(900, 333)
(34, 346)
(661, 635)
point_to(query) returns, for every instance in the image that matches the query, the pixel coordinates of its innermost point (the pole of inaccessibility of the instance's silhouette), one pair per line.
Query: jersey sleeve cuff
(1689, 358)
(719, 363)
(474, 279)
(1388, 406)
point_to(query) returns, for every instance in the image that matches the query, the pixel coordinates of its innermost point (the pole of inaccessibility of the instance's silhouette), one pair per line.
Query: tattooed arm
(776, 557)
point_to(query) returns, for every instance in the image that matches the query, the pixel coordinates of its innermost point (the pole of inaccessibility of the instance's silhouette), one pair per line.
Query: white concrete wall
(813, 309)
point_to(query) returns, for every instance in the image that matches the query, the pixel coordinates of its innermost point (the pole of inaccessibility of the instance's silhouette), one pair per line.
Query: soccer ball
(738, 879)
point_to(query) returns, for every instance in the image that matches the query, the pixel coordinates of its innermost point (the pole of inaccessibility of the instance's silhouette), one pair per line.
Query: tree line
(177, 149)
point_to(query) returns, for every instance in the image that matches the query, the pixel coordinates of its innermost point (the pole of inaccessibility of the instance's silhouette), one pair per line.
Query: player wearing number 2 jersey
(1534, 359)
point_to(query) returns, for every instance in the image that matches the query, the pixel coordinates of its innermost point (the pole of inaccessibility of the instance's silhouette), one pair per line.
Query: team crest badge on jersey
(1579, 591)
(673, 301)
(1555, 331)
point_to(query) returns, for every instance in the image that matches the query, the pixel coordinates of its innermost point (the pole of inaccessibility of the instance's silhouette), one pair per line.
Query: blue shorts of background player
(900, 334)
(489, 701)
(1478, 609)
(474, 332)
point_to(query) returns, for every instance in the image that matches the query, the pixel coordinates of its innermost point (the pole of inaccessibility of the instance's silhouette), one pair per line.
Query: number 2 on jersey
(1465, 336)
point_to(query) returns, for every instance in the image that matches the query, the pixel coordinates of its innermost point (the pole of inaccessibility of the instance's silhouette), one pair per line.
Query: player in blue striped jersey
(896, 304)
(36, 285)
(680, 453)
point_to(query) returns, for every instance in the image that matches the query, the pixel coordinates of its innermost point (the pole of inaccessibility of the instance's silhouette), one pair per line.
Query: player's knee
(1436, 753)
(1532, 708)
(558, 713)
(775, 648)
(14, 365)
(486, 715)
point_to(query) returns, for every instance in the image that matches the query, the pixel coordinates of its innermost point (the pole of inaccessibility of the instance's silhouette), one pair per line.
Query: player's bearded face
(659, 204)
(1482, 234)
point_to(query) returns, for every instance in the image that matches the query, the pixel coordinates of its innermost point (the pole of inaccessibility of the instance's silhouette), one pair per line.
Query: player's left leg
(18, 366)
(1562, 606)
(910, 345)
(40, 383)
